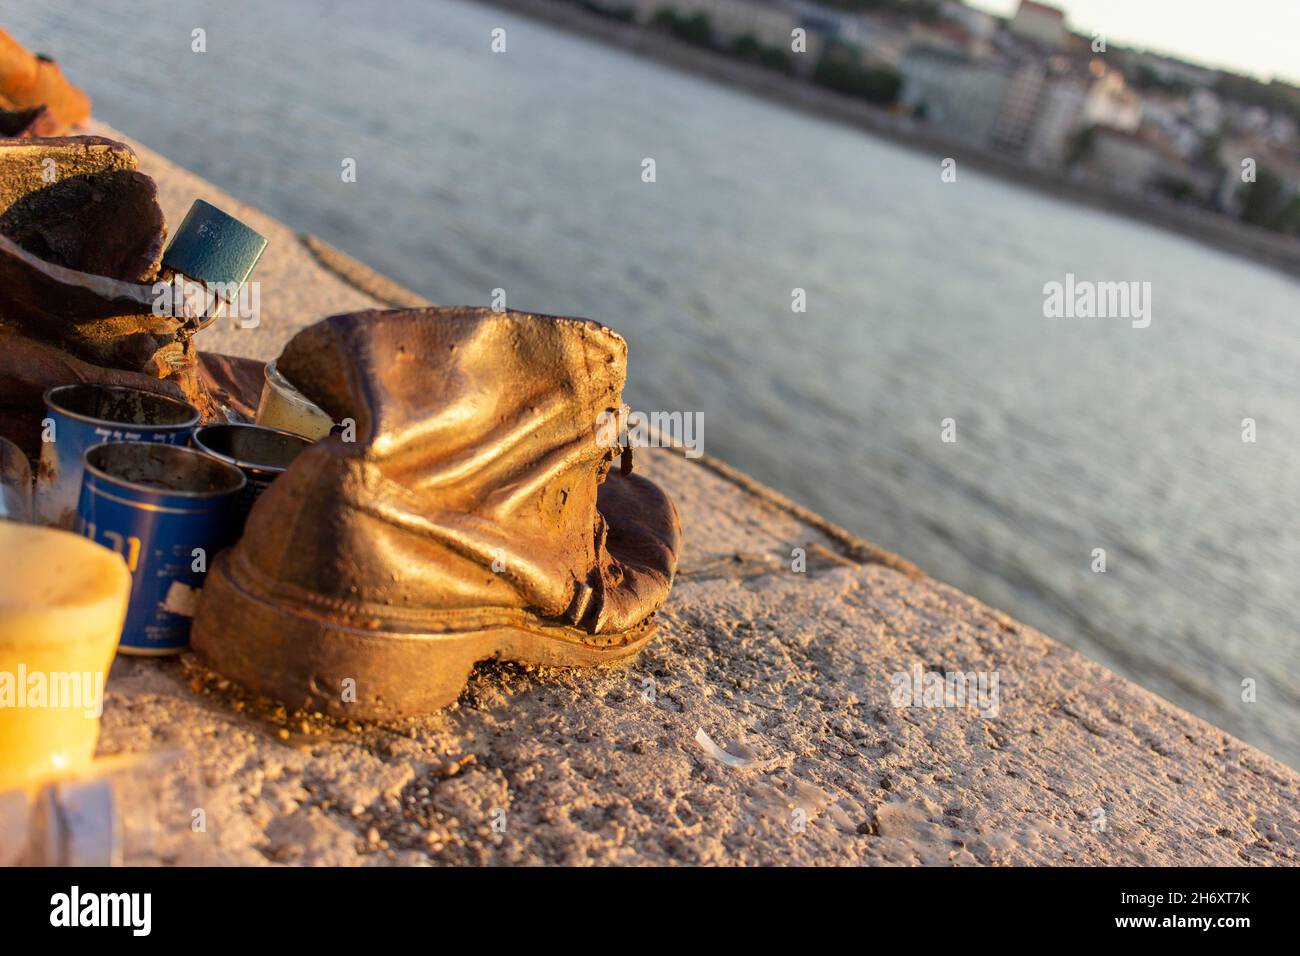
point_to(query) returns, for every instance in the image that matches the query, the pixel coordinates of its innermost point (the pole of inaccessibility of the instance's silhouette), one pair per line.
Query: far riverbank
(1219, 232)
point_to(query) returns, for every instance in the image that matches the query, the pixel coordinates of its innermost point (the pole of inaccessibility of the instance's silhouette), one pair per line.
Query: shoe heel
(312, 664)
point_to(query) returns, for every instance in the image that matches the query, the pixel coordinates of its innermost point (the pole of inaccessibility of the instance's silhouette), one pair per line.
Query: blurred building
(1267, 161)
(1021, 106)
(879, 41)
(956, 93)
(1127, 159)
(1205, 110)
(1039, 23)
(882, 42)
(769, 22)
(1170, 71)
(1169, 117)
(1111, 103)
(1060, 116)
(982, 27)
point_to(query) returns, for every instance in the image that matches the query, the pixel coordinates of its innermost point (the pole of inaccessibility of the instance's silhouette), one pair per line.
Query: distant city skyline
(1257, 37)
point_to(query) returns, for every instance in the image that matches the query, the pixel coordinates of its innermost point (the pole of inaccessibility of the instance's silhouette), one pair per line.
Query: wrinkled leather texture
(28, 368)
(474, 482)
(78, 254)
(233, 381)
(81, 203)
(81, 238)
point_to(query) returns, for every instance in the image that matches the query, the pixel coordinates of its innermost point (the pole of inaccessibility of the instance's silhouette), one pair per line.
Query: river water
(522, 171)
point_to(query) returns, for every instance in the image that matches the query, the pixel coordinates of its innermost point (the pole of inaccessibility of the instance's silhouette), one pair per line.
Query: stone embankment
(790, 671)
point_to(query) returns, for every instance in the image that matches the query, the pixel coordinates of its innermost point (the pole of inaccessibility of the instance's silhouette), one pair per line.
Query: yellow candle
(283, 406)
(62, 603)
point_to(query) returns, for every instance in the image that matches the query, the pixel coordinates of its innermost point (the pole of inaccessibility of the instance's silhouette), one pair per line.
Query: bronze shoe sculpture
(32, 82)
(81, 248)
(472, 515)
(81, 236)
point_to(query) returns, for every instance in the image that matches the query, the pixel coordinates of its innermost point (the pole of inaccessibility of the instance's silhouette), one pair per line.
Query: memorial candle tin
(261, 453)
(283, 406)
(167, 510)
(79, 416)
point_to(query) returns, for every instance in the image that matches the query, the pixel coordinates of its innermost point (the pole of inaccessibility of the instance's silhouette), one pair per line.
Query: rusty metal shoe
(32, 82)
(81, 236)
(81, 253)
(474, 516)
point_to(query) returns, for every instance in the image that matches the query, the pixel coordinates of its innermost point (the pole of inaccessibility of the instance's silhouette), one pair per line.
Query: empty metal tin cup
(283, 406)
(261, 453)
(79, 416)
(167, 510)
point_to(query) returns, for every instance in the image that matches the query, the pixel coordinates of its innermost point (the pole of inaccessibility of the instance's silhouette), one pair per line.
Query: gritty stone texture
(789, 671)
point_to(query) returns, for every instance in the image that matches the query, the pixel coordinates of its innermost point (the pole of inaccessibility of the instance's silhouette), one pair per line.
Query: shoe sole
(309, 660)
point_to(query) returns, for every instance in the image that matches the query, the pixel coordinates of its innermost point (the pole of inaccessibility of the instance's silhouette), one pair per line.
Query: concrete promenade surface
(791, 671)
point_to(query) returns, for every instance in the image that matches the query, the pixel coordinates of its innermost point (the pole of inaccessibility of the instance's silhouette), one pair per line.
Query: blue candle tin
(261, 453)
(79, 416)
(167, 510)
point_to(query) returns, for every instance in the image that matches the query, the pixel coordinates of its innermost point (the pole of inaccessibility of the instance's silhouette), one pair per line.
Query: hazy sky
(1249, 36)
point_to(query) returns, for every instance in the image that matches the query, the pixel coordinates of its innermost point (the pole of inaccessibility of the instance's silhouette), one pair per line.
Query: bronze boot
(472, 515)
(81, 236)
(33, 83)
(81, 251)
